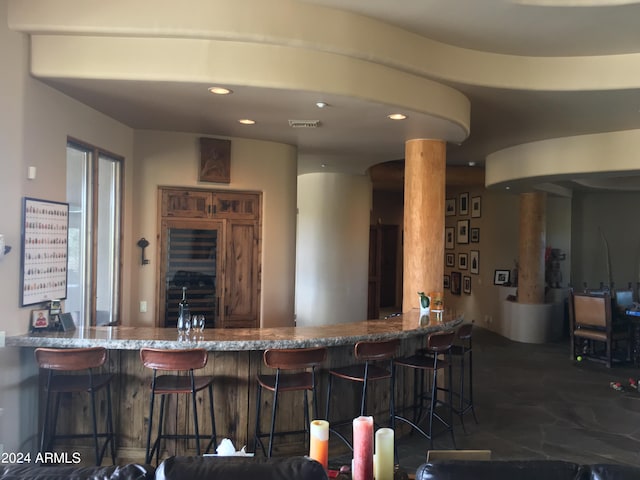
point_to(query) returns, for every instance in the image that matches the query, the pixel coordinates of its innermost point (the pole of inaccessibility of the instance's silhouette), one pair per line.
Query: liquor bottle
(184, 314)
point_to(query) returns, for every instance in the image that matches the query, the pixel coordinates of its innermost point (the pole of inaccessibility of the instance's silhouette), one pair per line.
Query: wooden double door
(210, 244)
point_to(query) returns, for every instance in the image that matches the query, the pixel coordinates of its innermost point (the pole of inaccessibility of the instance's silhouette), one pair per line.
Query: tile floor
(533, 402)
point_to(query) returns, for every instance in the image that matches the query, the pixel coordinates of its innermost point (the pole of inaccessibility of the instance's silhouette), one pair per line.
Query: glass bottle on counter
(184, 313)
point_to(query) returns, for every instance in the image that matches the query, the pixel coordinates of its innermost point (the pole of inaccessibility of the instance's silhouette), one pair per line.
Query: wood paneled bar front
(235, 357)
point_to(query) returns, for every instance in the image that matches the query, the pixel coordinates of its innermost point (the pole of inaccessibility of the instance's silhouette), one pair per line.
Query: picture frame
(43, 264)
(463, 261)
(450, 207)
(66, 322)
(446, 281)
(456, 283)
(215, 160)
(450, 260)
(501, 277)
(464, 204)
(39, 319)
(475, 235)
(449, 238)
(462, 236)
(474, 262)
(466, 284)
(476, 207)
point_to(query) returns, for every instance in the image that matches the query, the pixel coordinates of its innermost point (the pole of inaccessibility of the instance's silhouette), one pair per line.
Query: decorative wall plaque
(215, 160)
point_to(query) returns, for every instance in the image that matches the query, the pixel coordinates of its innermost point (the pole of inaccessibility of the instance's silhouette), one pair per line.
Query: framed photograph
(450, 260)
(474, 262)
(464, 204)
(450, 207)
(463, 261)
(475, 235)
(449, 242)
(501, 277)
(456, 283)
(39, 319)
(462, 236)
(476, 207)
(215, 160)
(43, 268)
(446, 282)
(466, 284)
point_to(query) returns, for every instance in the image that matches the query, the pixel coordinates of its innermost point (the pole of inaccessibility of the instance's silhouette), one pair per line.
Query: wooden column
(533, 213)
(424, 197)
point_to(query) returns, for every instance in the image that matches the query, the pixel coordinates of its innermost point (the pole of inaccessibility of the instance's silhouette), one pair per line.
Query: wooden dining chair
(592, 322)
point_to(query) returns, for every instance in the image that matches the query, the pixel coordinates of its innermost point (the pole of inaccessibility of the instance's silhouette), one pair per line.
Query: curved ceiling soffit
(351, 35)
(582, 157)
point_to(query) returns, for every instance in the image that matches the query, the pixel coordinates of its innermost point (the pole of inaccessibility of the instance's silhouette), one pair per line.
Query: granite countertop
(238, 339)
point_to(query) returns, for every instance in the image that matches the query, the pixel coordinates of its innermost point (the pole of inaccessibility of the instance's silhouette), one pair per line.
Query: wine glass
(200, 323)
(187, 326)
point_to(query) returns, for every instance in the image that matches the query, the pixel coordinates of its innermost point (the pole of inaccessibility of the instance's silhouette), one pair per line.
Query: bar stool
(186, 360)
(76, 360)
(438, 344)
(372, 353)
(305, 359)
(462, 348)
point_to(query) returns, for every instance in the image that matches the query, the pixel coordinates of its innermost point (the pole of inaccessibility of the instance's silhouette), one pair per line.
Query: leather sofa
(524, 470)
(177, 468)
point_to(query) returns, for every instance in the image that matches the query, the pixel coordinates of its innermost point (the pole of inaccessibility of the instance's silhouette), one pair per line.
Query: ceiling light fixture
(321, 104)
(397, 116)
(247, 121)
(472, 164)
(219, 90)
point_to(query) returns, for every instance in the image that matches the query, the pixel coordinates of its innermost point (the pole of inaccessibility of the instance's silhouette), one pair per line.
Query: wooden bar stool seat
(185, 361)
(430, 361)
(74, 360)
(376, 359)
(295, 371)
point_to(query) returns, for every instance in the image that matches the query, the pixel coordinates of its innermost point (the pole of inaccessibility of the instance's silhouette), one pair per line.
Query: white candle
(362, 449)
(319, 442)
(383, 459)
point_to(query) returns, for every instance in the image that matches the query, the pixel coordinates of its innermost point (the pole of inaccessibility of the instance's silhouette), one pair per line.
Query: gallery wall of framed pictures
(462, 241)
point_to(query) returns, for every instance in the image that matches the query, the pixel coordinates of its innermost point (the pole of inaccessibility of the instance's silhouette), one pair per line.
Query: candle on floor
(383, 463)
(362, 448)
(319, 442)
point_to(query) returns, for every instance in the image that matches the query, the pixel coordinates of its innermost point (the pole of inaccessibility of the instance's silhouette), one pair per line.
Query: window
(95, 203)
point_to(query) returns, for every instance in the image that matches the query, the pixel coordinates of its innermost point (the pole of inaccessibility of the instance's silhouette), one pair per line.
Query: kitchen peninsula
(235, 357)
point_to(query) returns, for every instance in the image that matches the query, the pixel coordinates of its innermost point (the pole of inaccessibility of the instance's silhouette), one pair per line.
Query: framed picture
(449, 241)
(450, 260)
(456, 279)
(462, 236)
(475, 235)
(215, 160)
(466, 284)
(450, 207)
(43, 268)
(463, 261)
(474, 261)
(66, 322)
(476, 207)
(464, 204)
(446, 282)
(501, 277)
(39, 319)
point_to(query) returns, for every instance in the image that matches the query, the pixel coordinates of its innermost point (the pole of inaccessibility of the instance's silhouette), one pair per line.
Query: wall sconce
(143, 243)
(4, 249)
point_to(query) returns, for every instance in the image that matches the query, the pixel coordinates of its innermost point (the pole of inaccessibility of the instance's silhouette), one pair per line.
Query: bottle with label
(184, 314)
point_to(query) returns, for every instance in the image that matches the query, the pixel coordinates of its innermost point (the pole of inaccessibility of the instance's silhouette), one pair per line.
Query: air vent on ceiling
(304, 123)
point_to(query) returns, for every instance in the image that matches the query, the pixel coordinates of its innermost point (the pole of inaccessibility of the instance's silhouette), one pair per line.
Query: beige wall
(35, 121)
(172, 159)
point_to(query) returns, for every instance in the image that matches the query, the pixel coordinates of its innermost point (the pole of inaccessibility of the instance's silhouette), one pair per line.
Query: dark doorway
(383, 259)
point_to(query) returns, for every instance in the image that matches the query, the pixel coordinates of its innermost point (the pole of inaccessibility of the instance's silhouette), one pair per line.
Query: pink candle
(362, 448)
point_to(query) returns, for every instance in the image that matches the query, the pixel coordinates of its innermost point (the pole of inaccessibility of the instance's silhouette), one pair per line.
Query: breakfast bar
(235, 357)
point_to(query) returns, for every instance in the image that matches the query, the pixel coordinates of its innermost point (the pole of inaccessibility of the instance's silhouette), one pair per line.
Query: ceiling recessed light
(220, 90)
(507, 188)
(321, 104)
(472, 164)
(247, 121)
(397, 116)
